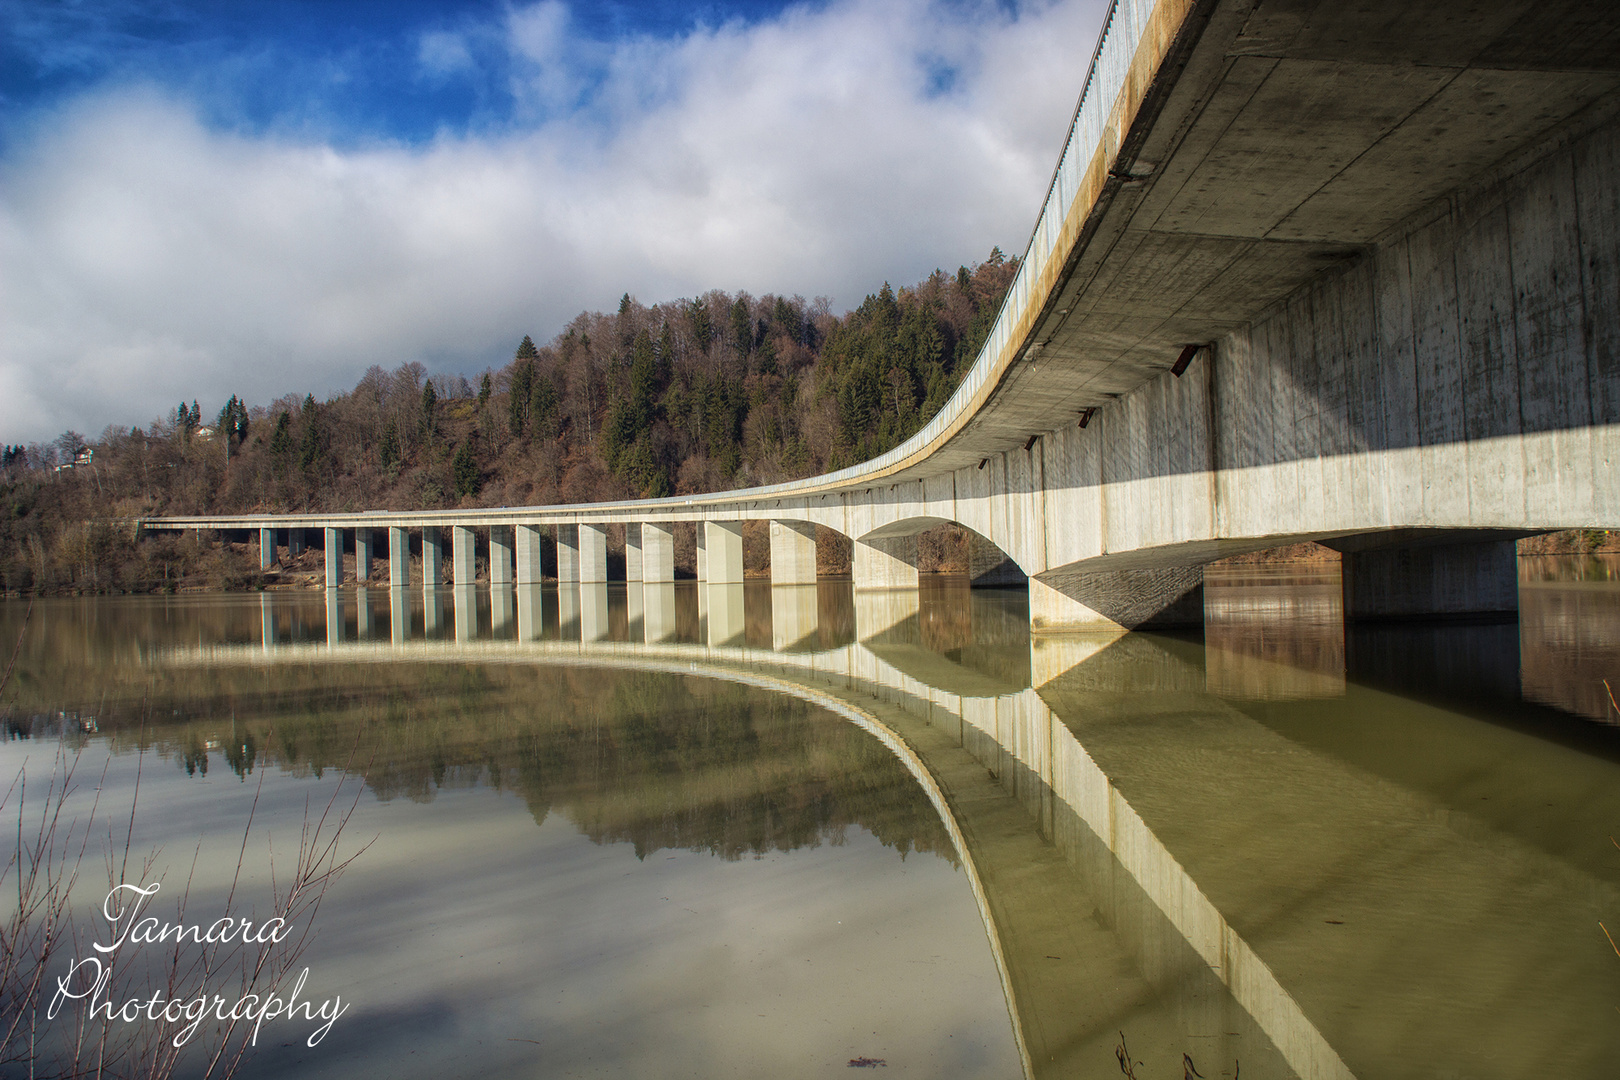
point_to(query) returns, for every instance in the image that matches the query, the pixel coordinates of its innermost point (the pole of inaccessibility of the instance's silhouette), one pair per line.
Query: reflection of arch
(1088, 880)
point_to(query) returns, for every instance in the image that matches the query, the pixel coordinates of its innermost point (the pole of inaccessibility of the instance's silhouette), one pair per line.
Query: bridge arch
(987, 564)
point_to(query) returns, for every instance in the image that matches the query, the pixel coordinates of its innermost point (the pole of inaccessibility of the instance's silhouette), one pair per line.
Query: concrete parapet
(399, 556)
(500, 554)
(793, 553)
(593, 554)
(432, 557)
(333, 541)
(463, 559)
(527, 549)
(657, 553)
(888, 562)
(567, 554)
(725, 552)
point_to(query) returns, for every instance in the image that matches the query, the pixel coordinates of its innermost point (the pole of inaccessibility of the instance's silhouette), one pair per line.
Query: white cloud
(443, 52)
(147, 258)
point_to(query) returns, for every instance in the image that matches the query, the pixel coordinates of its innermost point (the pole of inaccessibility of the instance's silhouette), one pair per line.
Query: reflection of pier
(988, 750)
(1234, 851)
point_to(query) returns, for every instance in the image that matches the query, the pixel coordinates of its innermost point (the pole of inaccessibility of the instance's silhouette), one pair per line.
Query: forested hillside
(689, 396)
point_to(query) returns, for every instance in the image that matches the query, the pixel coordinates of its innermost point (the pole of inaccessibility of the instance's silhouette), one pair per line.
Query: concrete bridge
(1305, 271)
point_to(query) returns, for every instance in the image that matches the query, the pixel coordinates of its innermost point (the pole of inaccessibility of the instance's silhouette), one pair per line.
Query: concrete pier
(463, 556)
(885, 563)
(399, 556)
(567, 554)
(526, 546)
(432, 557)
(657, 553)
(592, 554)
(632, 552)
(793, 553)
(500, 554)
(363, 551)
(267, 548)
(333, 542)
(725, 552)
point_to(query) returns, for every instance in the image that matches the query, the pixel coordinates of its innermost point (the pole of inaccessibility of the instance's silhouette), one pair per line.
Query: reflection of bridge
(1148, 856)
(1305, 271)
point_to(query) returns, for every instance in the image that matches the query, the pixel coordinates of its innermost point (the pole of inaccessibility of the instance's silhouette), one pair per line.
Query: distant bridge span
(1391, 229)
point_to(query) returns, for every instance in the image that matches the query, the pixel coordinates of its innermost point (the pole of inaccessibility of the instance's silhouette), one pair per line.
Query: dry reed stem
(45, 864)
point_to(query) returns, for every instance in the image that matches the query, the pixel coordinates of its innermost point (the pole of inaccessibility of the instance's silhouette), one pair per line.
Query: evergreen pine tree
(701, 329)
(742, 327)
(309, 447)
(465, 470)
(517, 400)
(281, 439)
(430, 403)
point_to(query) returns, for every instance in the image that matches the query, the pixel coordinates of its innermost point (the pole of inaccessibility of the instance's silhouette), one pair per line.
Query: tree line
(684, 397)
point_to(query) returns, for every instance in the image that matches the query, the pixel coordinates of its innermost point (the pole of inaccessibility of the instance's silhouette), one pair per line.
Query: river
(742, 831)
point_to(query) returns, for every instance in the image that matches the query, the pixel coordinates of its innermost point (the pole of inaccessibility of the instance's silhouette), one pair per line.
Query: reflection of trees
(654, 760)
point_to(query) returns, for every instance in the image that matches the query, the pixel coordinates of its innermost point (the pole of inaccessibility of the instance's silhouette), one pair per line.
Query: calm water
(737, 831)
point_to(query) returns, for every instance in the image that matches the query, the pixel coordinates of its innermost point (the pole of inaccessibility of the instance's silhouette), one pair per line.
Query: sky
(201, 198)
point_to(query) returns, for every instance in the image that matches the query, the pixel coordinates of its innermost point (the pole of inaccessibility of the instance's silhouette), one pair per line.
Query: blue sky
(200, 199)
(351, 70)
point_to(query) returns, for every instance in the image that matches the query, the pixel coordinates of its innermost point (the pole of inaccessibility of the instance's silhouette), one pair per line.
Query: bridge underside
(1280, 142)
